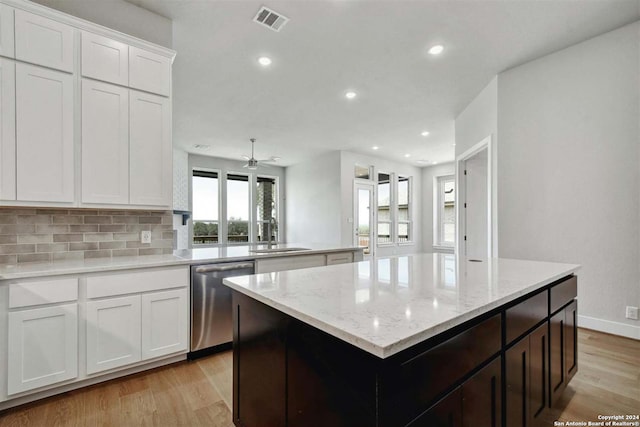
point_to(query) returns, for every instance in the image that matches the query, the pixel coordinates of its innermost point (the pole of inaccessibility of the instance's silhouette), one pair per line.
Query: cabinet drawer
(340, 258)
(7, 45)
(43, 41)
(289, 263)
(149, 72)
(133, 282)
(28, 294)
(525, 315)
(105, 59)
(563, 293)
(416, 382)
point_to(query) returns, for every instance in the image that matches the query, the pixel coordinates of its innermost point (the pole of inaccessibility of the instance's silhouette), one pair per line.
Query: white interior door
(363, 220)
(476, 238)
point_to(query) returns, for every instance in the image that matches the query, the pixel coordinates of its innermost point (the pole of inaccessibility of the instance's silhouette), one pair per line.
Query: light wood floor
(199, 393)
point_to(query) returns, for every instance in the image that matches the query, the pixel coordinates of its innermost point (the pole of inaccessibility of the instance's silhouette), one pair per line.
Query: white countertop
(183, 257)
(386, 305)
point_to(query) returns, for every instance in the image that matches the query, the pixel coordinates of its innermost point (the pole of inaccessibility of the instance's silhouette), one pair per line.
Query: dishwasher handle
(223, 267)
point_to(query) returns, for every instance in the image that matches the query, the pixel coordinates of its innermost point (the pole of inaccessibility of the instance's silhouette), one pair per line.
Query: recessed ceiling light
(436, 50)
(350, 95)
(425, 133)
(265, 61)
(375, 147)
(407, 155)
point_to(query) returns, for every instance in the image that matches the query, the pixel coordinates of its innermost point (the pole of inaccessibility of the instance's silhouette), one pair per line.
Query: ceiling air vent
(270, 19)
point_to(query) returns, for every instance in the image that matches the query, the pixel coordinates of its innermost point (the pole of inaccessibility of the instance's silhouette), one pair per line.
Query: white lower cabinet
(165, 318)
(43, 347)
(113, 333)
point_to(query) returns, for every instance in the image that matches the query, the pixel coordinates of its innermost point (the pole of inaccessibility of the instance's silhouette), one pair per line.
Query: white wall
(348, 160)
(118, 15)
(180, 197)
(479, 119)
(313, 203)
(236, 166)
(568, 170)
(429, 174)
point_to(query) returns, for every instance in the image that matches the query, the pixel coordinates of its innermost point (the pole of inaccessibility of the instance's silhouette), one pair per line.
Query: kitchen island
(419, 340)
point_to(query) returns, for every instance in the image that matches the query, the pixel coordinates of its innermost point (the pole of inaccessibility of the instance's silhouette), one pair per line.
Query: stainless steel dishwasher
(211, 324)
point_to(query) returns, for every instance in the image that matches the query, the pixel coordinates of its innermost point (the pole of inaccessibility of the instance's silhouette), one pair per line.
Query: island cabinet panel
(329, 382)
(259, 364)
(446, 413)
(419, 379)
(477, 402)
(563, 346)
(527, 373)
(482, 397)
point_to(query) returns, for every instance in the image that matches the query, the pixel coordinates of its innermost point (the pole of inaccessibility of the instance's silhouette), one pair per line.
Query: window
(206, 211)
(233, 208)
(237, 208)
(362, 172)
(404, 209)
(384, 208)
(266, 206)
(445, 219)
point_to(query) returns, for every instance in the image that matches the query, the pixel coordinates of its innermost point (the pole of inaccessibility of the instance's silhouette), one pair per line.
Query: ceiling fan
(252, 162)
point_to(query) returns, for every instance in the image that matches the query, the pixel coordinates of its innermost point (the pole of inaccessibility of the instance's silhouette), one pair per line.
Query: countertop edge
(58, 269)
(391, 349)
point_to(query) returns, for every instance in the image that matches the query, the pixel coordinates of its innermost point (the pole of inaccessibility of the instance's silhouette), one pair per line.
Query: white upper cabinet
(6, 31)
(105, 143)
(149, 71)
(150, 150)
(43, 41)
(44, 135)
(7, 129)
(105, 59)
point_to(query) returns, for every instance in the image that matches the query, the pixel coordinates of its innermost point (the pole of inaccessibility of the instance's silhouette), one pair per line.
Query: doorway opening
(363, 215)
(475, 177)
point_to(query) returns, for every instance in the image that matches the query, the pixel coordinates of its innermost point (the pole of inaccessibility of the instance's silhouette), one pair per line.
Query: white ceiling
(296, 108)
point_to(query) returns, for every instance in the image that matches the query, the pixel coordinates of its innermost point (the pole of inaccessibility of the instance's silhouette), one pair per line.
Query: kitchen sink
(272, 250)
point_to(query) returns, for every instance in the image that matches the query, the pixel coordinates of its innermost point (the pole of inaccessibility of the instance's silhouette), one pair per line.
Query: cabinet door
(538, 374)
(105, 143)
(43, 41)
(7, 128)
(150, 150)
(165, 327)
(557, 358)
(446, 413)
(105, 59)
(113, 333)
(43, 347)
(149, 72)
(482, 397)
(571, 339)
(7, 31)
(44, 134)
(517, 384)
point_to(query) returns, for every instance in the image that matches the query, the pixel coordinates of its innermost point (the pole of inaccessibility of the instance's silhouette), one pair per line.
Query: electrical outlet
(145, 236)
(632, 312)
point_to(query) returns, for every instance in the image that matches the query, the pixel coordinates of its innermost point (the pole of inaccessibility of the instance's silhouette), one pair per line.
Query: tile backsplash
(40, 235)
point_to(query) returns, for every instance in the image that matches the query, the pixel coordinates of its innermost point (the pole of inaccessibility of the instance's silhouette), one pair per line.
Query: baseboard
(615, 328)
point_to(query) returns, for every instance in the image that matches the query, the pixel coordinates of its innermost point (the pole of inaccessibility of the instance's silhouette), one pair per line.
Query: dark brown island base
(505, 367)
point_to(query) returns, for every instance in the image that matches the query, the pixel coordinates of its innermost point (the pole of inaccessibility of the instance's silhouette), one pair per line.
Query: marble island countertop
(386, 305)
(181, 257)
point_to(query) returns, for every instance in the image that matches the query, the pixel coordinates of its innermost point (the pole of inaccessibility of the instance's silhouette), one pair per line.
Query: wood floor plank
(199, 393)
